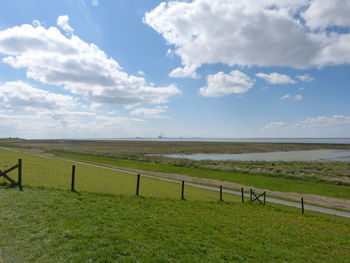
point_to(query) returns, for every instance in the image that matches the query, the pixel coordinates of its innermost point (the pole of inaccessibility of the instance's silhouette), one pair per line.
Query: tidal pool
(314, 155)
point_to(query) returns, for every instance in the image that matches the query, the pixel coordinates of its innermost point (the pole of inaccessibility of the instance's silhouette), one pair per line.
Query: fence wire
(56, 173)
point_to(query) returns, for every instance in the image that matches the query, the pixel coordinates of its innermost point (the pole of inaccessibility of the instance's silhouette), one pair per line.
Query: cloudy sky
(203, 68)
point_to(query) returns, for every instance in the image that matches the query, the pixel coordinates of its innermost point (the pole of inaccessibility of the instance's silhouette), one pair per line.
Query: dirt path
(308, 198)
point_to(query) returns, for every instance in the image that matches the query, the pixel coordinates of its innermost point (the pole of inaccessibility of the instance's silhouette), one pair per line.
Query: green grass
(51, 172)
(151, 151)
(45, 225)
(271, 183)
(140, 148)
(330, 172)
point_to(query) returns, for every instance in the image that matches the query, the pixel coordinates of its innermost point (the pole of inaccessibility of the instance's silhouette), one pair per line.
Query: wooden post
(73, 179)
(242, 192)
(20, 174)
(221, 193)
(302, 205)
(251, 194)
(138, 184)
(183, 190)
(264, 198)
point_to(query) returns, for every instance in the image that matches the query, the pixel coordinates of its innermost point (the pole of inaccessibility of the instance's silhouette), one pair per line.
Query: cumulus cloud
(324, 13)
(251, 32)
(305, 78)
(149, 112)
(185, 72)
(275, 78)
(221, 84)
(26, 111)
(62, 22)
(81, 68)
(321, 126)
(20, 96)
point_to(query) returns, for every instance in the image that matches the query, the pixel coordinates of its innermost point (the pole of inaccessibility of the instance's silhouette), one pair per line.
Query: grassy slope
(40, 225)
(50, 172)
(271, 183)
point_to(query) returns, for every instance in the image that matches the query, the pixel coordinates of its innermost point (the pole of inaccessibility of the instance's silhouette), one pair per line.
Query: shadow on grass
(5, 185)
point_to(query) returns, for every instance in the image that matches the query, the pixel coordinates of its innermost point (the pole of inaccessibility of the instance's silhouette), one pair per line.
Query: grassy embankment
(42, 225)
(271, 183)
(50, 172)
(322, 178)
(328, 172)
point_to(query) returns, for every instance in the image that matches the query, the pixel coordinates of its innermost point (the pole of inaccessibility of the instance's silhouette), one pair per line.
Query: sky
(200, 68)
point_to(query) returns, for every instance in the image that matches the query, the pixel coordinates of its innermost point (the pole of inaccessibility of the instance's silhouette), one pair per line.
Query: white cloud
(249, 32)
(80, 67)
(325, 13)
(149, 112)
(19, 96)
(275, 78)
(305, 78)
(284, 97)
(297, 97)
(321, 126)
(62, 124)
(324, 122)
(274, 125)
(62, 22)
(221, 84)
(185, 72)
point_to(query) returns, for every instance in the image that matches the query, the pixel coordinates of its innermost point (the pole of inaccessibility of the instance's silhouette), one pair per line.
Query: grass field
(139, 148)
(105, 222)
(336, 173)
(271, 183)
(45, 225)
(50, 172)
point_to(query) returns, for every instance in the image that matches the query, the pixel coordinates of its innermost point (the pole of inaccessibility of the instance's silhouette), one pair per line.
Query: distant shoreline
(256, 140)
(198, 139)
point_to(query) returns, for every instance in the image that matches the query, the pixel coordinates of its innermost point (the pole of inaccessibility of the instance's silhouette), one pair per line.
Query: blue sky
(201, 68)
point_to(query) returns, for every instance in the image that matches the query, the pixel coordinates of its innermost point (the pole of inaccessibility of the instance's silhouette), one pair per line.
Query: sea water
(313, 155)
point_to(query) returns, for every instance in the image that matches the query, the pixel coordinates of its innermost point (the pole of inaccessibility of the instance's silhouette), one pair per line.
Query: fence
(61, 174)
(6, 176)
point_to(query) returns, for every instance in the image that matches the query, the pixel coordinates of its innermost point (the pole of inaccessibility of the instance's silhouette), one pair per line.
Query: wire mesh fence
(51, 172)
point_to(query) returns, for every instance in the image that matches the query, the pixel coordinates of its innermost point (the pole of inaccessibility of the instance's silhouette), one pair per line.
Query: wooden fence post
(138, 184)
(302, 205)
(20, 174)
(264, 197)
(183, 190)
(251, 194)
(73, 179)
(221, 193)
(242, 192)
